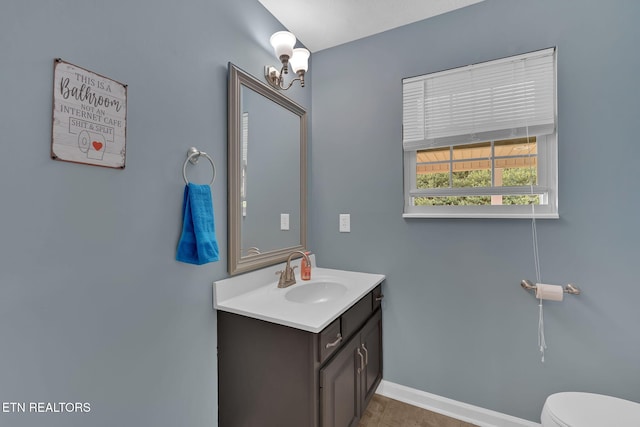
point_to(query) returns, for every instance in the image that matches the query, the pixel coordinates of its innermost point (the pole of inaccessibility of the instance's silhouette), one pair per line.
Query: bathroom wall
(456, 322)
(93, 306)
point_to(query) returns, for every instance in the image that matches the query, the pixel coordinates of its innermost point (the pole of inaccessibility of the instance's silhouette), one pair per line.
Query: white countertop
(256, 294)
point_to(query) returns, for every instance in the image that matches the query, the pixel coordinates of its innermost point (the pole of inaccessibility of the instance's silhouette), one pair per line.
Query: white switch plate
(284, 221)
(345, 223)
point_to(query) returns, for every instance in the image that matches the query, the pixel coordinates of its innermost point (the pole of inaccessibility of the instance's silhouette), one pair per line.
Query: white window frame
(547, 173)
(547, 185)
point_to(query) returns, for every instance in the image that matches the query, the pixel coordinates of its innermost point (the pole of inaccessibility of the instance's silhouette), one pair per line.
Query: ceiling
(320, 24)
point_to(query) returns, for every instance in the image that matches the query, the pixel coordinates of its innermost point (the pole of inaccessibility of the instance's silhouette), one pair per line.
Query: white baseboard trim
(451, 408)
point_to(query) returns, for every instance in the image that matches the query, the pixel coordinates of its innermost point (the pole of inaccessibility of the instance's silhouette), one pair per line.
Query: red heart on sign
(97, 145)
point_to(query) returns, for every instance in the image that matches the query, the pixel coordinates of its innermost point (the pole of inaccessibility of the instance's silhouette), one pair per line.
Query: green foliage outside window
(511, 177)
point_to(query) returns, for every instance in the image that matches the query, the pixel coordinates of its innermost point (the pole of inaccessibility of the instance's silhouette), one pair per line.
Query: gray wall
(93, 307)
(456, 321)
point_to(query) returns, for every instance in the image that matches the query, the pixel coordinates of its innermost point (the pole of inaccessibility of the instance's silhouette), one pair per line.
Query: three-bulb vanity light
(283, 43)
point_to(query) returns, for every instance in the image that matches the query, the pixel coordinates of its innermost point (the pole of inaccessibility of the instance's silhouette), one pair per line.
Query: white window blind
(506, 98)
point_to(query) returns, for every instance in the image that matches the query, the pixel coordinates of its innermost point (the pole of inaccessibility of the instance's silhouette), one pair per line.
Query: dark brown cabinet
(371, 344)
(349, 380)
(274, 375)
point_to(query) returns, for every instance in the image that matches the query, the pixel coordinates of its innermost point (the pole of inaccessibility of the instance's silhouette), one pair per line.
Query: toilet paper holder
(568, 289)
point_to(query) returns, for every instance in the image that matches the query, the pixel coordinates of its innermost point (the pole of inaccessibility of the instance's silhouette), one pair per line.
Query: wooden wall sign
(89, 117)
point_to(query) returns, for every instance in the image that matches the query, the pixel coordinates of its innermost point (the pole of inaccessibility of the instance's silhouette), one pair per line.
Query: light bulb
(299, 61)
(283, 42)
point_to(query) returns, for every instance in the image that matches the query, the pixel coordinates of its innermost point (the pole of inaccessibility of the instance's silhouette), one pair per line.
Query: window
(480, 141)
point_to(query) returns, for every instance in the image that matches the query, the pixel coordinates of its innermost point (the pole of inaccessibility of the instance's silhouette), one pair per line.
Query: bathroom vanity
(307, 355)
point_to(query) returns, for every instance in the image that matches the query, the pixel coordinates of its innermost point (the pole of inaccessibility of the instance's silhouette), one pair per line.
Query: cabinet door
(371, 347)
(340, 387)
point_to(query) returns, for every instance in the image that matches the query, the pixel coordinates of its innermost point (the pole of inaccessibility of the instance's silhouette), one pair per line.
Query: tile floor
(385, 412)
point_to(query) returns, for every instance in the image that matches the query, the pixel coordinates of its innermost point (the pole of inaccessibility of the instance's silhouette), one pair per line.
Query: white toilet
(574, 409)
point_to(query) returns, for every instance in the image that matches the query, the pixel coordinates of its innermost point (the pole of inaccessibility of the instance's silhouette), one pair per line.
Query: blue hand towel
(198, 244)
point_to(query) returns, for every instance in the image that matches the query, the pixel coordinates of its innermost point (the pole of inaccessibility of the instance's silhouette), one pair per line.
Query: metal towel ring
(193, 155)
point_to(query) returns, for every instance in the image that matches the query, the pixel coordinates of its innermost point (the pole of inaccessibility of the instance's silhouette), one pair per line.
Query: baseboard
(451, 408)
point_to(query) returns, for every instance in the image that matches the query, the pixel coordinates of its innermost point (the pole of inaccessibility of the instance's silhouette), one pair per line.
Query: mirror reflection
(267, 174)
(270, 188)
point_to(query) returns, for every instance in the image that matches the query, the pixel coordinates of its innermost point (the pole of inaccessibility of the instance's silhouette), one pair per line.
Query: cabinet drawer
(353, 318)
(330, 339)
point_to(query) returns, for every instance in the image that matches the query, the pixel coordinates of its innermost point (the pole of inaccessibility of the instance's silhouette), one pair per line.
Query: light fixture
(283, 43)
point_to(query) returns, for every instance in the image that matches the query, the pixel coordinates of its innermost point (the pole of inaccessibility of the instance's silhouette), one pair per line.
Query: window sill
(481, 215)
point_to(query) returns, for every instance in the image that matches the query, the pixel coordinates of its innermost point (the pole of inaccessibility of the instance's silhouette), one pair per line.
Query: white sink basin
(309, 305)
(315, 292)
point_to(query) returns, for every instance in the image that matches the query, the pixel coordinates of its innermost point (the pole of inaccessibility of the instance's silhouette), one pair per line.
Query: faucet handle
(282, 279)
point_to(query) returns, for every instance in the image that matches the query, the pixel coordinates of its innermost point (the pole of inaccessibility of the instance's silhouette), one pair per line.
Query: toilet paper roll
(549, 292)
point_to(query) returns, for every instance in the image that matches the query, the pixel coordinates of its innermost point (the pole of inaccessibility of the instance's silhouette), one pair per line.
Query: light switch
(345, 223)
(284, 221)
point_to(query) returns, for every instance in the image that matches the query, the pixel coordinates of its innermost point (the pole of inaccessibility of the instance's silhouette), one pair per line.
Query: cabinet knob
(336, 342)
(380, 297)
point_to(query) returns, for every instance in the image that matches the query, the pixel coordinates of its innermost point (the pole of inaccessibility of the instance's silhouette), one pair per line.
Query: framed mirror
(267, 154)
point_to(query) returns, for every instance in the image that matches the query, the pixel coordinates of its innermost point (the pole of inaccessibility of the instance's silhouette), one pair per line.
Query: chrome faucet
(288, 276)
